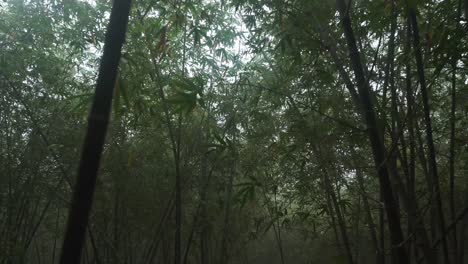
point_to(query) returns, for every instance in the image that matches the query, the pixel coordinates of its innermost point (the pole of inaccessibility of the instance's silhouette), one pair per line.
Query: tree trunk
(201, 213)
(452, 155)
(410, 122)
(429, 137)
(339, 216)
(379, 255)
(453, 109)
(204, 212)
(382, 225)
(335, 208)
(98, 121)
(377, 145)
(277, 229)
(466, 9)
(224, 258)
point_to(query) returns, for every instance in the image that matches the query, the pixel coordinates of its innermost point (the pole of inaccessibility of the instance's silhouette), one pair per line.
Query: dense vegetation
(242, 131)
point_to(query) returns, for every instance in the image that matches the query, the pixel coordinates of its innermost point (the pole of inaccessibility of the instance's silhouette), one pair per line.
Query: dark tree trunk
(379, 252)
(429, 137)
(224, 258)
(333, 199)
(339, 216)
(466, 9)
(98, 121)
(204, 257)
(178, 198)
(382, 225)
(394, 132)
(378, 149)
(453, 109)
(410, 121)
(277, 229)
(452, 155)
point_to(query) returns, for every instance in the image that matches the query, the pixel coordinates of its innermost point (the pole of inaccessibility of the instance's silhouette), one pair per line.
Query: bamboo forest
(234, 131)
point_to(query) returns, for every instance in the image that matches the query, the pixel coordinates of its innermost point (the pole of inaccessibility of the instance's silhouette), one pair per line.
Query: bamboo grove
(239, 131)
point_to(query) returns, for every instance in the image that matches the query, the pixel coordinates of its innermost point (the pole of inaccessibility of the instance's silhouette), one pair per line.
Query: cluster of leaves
(245, 101)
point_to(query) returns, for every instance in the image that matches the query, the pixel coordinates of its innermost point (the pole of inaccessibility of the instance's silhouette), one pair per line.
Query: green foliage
(187, 93)
(247, 99)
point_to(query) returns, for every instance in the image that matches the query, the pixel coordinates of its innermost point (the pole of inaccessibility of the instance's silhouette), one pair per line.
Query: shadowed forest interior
(234, 131)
